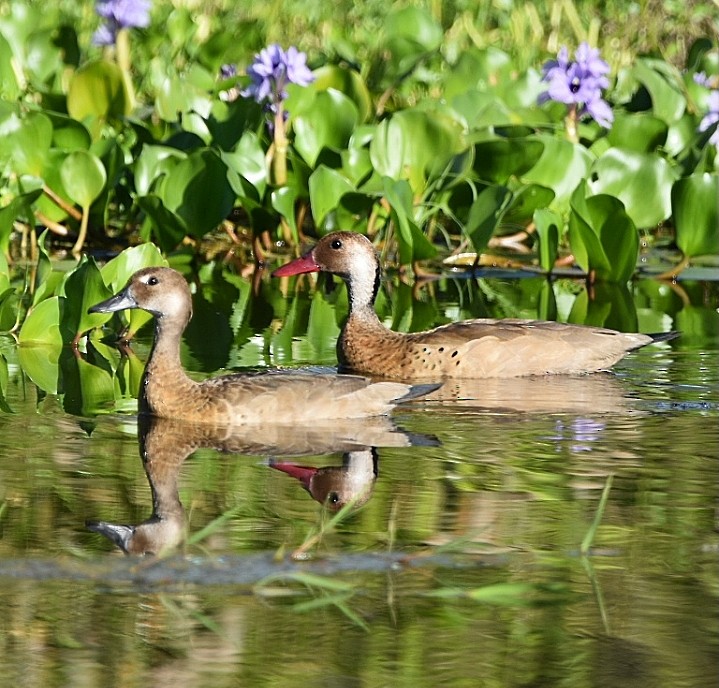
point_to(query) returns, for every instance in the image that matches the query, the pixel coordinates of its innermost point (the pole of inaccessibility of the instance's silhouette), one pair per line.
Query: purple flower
(711, 118)
(120, 14)
(579, 83)
(272, 70)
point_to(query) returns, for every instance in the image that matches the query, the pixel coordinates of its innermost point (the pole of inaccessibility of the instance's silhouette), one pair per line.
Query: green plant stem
(82, 235)
(570, 124)
(279, 157)
(589, 537)
(122, 57)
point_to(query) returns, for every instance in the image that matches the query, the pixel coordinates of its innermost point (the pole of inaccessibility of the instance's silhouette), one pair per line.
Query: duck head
(163, 292)
(346, 254)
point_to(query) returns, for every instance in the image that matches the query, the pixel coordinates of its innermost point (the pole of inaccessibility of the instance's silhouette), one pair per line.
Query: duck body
(480, 348)
(167, 391)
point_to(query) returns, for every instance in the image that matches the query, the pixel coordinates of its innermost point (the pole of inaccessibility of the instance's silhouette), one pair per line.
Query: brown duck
(481, 348)
(168, 392)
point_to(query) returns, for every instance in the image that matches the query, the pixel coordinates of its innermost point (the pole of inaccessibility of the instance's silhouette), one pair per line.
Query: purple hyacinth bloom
(120, 14)
(272, 70)
(711, 118)
(579, 83)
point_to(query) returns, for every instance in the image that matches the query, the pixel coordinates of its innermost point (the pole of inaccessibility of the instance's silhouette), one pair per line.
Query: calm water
(462, 566)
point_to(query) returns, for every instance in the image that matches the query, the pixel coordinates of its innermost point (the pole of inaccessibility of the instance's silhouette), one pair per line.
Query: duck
(481, 348)
(236, 399)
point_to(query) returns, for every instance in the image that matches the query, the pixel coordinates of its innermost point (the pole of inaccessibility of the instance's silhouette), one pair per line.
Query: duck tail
(664, 336)
(417, 391)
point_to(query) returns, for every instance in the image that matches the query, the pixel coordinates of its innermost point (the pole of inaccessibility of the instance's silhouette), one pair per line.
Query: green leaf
(326, 122)
(561, 167)
(638, 131)
(696, 218)
(485, 214)
(664, 86)
(326, 187)
(642, 181)
(83, 176)
(283, 201)
(197, 191)
(413, 244)
(602, 236)
(548, 224)
(347, 81)
(42, 324)
(153, 163)
(25, 143)
(416, 145)
(83, 287)
(497, 160)
(169, 230)
(410, 33)
(97, 89)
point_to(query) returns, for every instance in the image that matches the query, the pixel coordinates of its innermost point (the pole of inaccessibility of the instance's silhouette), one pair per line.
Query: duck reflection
(596, 393)
(337, 486)
(166, 443)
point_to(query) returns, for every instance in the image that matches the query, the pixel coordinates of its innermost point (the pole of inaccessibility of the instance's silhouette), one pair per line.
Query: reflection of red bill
(303, 473)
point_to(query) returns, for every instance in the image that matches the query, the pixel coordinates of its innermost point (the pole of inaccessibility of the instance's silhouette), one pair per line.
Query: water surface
(461, 567)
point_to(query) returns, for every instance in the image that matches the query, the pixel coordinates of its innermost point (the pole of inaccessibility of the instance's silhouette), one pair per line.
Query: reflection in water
(595, 393)
(166, 443)
(336, 486)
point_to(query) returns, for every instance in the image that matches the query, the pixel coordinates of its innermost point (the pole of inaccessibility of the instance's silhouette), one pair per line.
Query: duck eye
(152, 281)
(333, 497)
(336, 243)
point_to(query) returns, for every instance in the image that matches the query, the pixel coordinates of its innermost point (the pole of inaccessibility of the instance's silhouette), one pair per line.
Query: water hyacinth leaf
(152, 164)
(83, 176)
(326, 122)
(548, 224)
(611, 305)
(414, 145)
(68, 134)
(283, 201)
(18, 207)
(198, 192)
(695, 201)
(40, 363)
(83, 287)
(9, 301)
(41, 327)
(248, 161)
(642, 181)
(525, 201)
(322, 328)
(410, 34)
(356, 164)
(25, 143)
(346, 81)
(87, 388)
(602, 236)
(664, 85)
(326, 187)
(9, 86)
(413, 243)
(497, 160)
(485, 214)
(97, 89)
(638, 131)
(561, 167)
(167, 229)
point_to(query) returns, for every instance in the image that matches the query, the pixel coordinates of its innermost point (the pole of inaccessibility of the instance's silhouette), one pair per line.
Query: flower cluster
(712, 116)
(579, 83)
(271, 72)
(120, 14)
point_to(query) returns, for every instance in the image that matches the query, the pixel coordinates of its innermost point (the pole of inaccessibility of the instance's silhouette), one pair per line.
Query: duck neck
(362, 288)
(164, 374)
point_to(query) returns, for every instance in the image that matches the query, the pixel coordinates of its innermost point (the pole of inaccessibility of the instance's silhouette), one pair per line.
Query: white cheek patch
(363, 272)
(173, 303)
